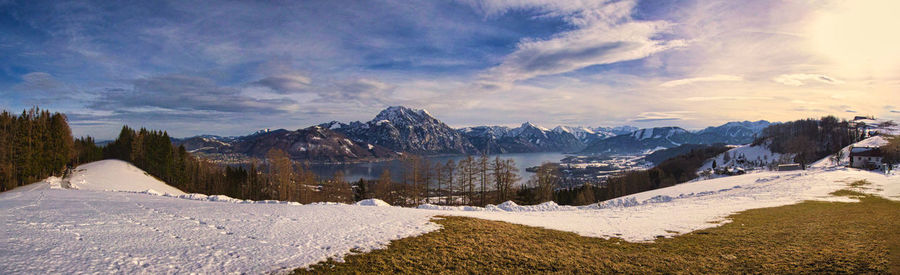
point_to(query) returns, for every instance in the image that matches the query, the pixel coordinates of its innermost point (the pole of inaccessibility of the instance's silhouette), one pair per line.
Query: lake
(372, 170)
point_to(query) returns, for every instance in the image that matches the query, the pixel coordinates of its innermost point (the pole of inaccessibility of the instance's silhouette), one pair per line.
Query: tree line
(810, 139)
(33, 146)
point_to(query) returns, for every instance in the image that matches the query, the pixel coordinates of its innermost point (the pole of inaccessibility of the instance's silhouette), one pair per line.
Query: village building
(865, 157)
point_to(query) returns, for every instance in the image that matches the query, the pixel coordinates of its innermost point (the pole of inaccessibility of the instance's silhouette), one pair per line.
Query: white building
(865, 157)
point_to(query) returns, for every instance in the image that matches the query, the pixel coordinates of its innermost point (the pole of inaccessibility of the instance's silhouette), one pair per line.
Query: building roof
(865, 152)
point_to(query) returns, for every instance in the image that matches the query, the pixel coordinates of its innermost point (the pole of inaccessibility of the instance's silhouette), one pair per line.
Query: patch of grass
(848, 193)
(859, 183)
(810, 237)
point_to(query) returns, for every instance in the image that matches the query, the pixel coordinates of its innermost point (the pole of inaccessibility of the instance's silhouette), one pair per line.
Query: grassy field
(810, 237)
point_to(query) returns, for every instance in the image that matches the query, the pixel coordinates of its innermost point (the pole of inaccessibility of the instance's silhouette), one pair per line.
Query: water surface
(372, 170)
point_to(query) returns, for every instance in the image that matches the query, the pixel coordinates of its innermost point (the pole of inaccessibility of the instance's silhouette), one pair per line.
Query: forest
(811, 139)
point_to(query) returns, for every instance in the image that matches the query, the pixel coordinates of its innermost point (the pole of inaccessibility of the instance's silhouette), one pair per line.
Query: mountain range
(397, 130)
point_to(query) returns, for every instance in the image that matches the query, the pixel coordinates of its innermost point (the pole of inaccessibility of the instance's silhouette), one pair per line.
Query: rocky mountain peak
(401, 115)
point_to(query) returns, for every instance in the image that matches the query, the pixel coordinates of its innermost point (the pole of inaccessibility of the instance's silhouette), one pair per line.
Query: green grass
(810, 237)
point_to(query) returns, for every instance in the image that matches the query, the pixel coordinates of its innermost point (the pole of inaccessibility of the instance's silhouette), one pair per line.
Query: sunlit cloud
(726, 98)
(802, 79)
(604, 34)
(661, 116)
(713, 78)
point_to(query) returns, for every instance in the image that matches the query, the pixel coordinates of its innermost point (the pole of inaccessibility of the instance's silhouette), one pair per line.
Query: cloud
(40, 83)
(729, 98)
(661, 116)
(895, 111)
(712, 78)
(359, 90)
(604, 34)
(285, 83)
(802, 79)
(185, 93)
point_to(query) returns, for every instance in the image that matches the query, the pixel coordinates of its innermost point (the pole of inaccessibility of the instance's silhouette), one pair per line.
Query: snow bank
(64, 231)
(116, 175)
(372, 202)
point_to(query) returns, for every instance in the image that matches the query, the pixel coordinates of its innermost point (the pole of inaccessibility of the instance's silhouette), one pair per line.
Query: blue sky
(228, 68)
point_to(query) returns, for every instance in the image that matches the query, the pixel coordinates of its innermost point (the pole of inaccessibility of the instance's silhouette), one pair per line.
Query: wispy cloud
(185, 93)
(727, 98)
(712, 78)
(661, 116)
(285, 83)
(604, 33)
(803, 79)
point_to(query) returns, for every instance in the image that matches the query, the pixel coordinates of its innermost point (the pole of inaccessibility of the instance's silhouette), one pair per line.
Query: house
(865, 157)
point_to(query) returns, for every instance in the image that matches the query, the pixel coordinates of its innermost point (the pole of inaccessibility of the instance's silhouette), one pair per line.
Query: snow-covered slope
(116, 175)
(744, 156)
(52, 230)
(64, 231)
(685, 207)
(875, 141)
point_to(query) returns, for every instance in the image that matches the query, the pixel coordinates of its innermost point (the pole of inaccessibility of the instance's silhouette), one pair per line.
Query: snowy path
(73, 231)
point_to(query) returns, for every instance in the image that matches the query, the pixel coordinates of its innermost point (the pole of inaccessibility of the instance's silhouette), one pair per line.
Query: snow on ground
(45, 229)
(684, 207)
(116, 175)
(372, 202)
(693, 205)
(876, 141)
(759, 154)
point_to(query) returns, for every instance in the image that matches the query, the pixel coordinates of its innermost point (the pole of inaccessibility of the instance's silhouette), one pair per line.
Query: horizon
(231, 68)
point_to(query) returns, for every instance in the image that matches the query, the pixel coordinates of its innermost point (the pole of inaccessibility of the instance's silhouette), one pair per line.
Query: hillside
(115, 175)
(87, 230)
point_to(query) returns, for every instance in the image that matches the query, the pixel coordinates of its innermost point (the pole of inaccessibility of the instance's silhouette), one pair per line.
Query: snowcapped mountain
(205, 144)
(399, 129)
(648, 139)
(605, 132)
(586, 134)
(525, 138)
(313, 143)
(642, 140)
(407, 130)
(740, 132)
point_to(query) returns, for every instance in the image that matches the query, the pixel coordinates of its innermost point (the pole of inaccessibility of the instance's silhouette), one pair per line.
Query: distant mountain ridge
(397, 130)
(651, 139)
(523, 139)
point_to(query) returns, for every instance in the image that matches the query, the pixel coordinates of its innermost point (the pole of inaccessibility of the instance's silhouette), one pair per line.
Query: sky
(230, 68)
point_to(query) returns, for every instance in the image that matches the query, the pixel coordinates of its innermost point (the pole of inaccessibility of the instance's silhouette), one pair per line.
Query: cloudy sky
(230, 68)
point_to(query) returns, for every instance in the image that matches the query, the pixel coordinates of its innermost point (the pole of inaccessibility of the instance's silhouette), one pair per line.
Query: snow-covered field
(685, 207)
(48, 228)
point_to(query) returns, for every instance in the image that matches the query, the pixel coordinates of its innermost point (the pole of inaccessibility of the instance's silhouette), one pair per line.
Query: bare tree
(467, 173)
(483, 170)
(449, 170)
(280, 173)
(546, 179)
